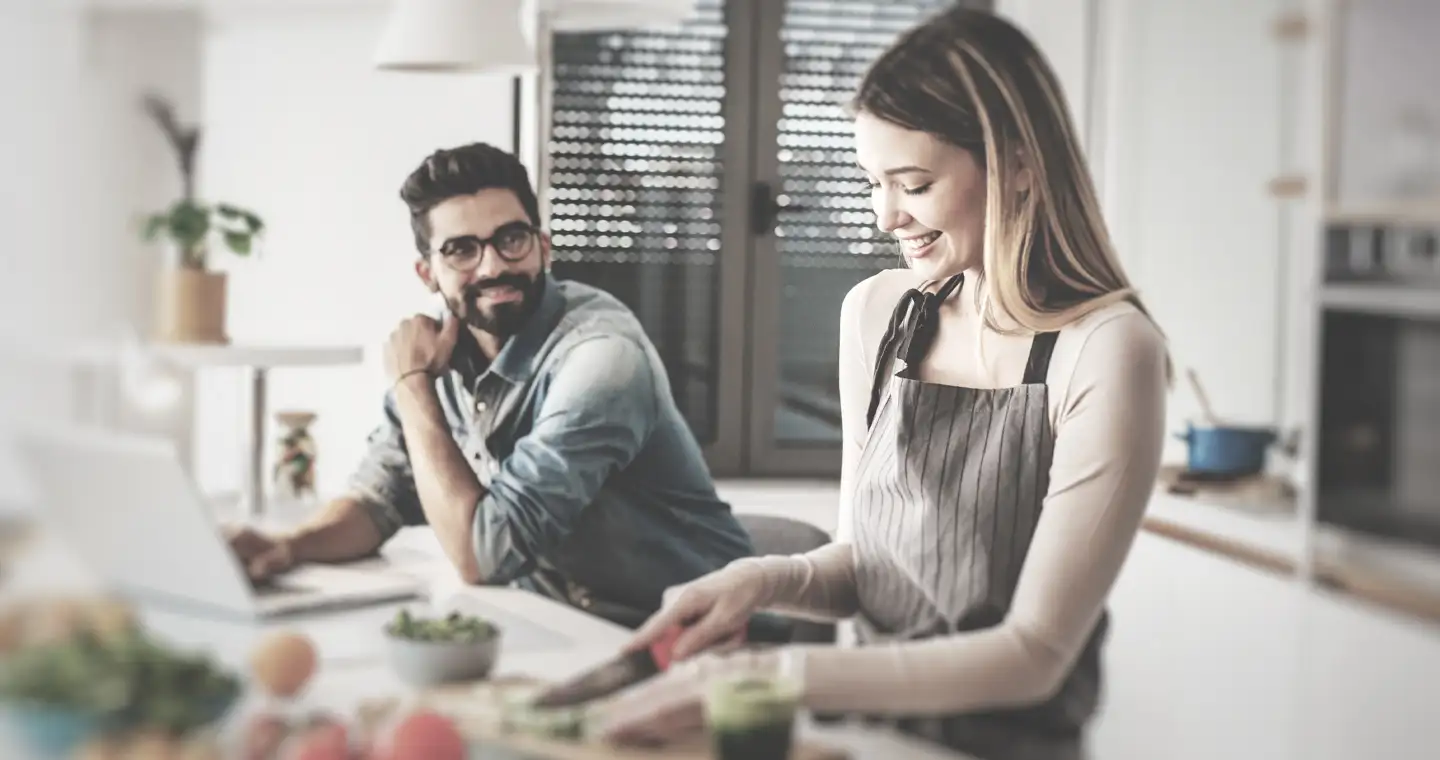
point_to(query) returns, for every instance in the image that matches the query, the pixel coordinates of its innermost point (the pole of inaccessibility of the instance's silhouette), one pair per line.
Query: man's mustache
(518, 281)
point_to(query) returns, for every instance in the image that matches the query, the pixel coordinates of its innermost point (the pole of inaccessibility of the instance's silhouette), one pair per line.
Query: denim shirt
(594, 490)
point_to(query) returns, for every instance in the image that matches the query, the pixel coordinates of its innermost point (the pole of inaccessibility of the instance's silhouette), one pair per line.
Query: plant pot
(191, 306)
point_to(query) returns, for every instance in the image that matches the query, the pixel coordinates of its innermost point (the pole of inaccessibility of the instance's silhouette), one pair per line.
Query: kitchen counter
(1268, 535)
(549, 641)
(1264, 533)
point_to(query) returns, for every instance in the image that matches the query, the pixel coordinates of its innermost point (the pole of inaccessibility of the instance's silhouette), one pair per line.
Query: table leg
(253, 486)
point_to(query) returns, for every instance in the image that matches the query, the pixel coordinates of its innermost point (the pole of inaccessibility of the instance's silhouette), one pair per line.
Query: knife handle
(662, 650)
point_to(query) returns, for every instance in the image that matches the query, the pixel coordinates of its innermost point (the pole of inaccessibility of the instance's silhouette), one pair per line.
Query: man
(532, 426)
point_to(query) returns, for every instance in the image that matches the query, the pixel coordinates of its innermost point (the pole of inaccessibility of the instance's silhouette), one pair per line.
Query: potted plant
(192, 297)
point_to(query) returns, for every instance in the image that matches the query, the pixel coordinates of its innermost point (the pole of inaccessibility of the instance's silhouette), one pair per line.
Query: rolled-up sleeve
(597, 411)
(384, 482)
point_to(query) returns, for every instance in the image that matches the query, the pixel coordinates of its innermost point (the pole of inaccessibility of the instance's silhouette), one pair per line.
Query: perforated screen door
(706, 178)
(635, 176)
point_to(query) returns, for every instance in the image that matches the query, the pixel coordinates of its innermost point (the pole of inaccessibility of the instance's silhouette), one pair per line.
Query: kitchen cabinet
(1210, 658)
(1369, 682)
(1202, 660)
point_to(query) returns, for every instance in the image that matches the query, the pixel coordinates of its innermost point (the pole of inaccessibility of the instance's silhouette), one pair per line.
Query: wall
(1064, 32)
(1193, 139)
(1390, 59)
(81, 164)
(128, 55)
(40, 76)
(317, 142)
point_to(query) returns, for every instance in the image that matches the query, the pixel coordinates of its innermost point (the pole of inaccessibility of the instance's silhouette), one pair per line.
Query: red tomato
(423, 735)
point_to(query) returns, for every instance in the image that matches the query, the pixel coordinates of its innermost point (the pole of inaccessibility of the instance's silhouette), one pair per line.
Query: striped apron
(948, 490)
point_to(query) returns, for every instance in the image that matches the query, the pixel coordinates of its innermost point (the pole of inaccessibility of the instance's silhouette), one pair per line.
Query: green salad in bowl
(64, 692)
(427, 651)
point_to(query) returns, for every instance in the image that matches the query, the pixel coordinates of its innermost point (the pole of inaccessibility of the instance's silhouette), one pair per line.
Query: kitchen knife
(612, 675)
(633, 667)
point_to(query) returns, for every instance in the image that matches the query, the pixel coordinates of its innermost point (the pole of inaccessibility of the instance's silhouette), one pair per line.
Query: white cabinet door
(1191, 101)
(1202, 659)
(1369, 683)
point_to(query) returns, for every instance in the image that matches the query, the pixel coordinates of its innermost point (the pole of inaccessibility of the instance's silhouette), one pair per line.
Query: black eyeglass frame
(524, 234)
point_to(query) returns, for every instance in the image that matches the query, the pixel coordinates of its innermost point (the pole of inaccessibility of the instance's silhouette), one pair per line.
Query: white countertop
(559, 640)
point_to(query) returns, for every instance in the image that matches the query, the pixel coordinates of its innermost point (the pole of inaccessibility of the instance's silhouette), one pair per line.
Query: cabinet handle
(1287, 186)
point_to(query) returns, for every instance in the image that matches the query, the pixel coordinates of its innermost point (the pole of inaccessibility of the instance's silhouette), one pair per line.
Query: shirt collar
(516, 359)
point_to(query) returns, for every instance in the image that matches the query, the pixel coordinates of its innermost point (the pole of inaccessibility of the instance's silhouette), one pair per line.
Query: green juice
(752, 718)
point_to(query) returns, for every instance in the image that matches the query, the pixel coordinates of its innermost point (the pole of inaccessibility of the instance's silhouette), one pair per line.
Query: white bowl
(431, 663)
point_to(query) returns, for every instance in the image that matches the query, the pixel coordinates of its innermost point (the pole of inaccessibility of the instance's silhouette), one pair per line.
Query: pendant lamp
(452, 36)
(612, 15)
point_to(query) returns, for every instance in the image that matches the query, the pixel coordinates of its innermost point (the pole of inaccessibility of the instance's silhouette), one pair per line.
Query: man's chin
(500, 320)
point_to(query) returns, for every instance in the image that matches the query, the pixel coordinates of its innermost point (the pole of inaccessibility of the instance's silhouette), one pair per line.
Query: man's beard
(501, 319)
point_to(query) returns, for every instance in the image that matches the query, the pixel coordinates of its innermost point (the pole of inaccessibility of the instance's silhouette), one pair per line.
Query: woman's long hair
(974, 80)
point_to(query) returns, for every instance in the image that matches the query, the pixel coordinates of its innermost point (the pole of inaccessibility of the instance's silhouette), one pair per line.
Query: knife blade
(613, 675)
(633, 667)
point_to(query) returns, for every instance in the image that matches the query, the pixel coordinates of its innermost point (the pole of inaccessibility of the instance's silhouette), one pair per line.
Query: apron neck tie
(912, 329)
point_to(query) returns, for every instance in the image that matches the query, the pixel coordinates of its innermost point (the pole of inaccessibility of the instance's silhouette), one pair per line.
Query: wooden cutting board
(476, 709)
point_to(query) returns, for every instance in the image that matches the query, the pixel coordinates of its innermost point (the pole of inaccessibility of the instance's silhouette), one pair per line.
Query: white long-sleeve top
(1107, 385)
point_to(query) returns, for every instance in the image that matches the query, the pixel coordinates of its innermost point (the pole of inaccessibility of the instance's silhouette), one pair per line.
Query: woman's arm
(1106, 459)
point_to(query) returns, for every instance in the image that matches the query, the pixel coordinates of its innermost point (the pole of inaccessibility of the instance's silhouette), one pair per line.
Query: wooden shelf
(105, 355)
(1398, 213)
(198, 356)
(1385, 300)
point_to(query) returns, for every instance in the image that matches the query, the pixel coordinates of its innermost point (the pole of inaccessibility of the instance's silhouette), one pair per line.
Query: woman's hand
(672, 705)
(713, 611)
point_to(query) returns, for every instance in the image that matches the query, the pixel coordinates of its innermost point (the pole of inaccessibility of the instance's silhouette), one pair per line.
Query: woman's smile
(918, 246)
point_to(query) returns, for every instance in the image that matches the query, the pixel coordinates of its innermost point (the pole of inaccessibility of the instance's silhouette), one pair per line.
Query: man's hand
(262, 556)
(420, 344)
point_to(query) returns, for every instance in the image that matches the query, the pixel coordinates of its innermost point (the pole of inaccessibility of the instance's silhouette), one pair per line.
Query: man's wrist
(416, 395)
(423, 372)
(294, 546)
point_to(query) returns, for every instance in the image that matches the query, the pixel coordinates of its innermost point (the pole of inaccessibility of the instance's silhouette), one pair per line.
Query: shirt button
(481, 406)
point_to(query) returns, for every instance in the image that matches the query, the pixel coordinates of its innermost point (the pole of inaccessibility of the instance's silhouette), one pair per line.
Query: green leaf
(239, 242)
(234, 213)
(154, 224)
(189, 224)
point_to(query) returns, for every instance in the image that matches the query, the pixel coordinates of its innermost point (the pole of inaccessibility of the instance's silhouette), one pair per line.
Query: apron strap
(911, 331)
(1037, 368)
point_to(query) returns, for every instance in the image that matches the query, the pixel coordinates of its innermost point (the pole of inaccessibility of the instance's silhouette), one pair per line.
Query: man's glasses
(513, 242)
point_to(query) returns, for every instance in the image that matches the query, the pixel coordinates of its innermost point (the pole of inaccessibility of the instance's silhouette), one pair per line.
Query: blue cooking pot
(1227, 450)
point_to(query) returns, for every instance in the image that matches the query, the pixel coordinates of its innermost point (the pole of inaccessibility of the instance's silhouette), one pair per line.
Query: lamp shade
(609, 15)
(457, 36)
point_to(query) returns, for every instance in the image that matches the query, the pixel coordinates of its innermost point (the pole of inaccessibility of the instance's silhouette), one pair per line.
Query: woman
(993, 485)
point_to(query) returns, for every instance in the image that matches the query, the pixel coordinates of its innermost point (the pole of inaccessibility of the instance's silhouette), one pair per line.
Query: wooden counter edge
(1369, 585)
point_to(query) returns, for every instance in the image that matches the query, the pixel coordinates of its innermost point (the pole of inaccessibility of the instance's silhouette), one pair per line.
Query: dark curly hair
(466, 170)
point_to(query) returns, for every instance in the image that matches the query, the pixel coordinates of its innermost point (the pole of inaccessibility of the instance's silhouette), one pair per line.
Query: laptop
(127, 506)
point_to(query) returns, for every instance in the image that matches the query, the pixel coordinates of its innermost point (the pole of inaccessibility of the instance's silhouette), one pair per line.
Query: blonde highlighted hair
(974, 80)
